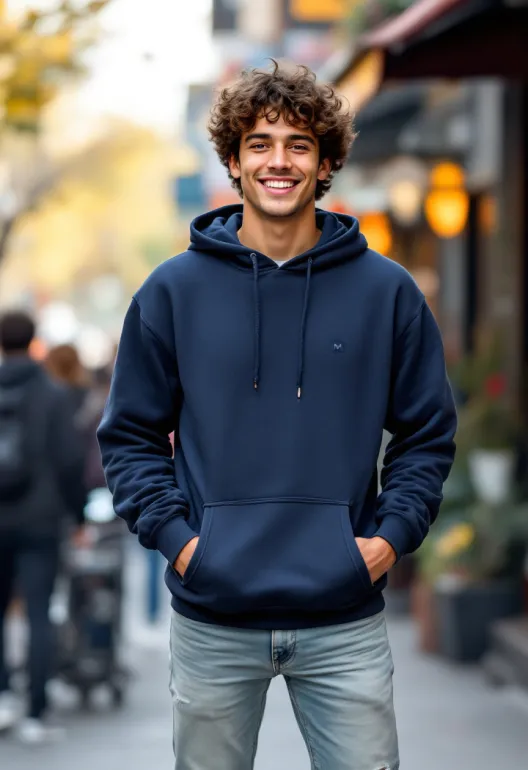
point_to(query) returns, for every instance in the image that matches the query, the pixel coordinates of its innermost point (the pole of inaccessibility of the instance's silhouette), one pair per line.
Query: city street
(449, 719)
(242, 244)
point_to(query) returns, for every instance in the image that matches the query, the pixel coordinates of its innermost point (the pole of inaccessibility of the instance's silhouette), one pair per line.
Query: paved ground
(448, 719)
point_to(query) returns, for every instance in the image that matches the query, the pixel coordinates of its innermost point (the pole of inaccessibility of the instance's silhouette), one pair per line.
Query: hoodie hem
(276, 621)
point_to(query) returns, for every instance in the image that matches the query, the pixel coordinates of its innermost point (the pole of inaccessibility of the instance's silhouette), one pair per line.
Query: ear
(324, 170)
(234, 167)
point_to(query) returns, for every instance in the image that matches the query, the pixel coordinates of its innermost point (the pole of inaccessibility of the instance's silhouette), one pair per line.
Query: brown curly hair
(291, 93)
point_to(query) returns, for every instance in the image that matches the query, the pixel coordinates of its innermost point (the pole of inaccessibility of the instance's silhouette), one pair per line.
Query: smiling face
(278, 167)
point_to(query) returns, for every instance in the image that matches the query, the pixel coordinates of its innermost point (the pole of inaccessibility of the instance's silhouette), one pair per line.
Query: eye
(300, 148)
(258, 146)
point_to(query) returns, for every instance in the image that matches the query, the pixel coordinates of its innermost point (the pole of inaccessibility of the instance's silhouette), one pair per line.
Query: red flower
(495, 386)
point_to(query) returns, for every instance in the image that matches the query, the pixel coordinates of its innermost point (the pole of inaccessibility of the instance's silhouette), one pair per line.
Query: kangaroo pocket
(278, 553)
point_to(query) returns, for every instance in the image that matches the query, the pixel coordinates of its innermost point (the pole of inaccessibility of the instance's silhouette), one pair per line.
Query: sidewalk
(449, 719)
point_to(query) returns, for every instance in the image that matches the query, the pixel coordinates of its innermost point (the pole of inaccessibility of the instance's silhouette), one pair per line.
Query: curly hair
(294, 95)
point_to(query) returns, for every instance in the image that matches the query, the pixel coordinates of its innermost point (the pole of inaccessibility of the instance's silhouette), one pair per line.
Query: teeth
(278, 185)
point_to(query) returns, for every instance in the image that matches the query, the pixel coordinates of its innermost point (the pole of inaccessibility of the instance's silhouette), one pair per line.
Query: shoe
(35, 731)
(10, 710)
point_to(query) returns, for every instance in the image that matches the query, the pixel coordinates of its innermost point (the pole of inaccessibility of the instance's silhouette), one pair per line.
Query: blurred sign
(261, 22)
(363, 81)
(309, 46)
(225, 15)
(189, 192)
(317, 11)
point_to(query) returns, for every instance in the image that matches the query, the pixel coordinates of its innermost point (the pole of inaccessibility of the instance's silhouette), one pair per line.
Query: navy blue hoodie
(278, 383)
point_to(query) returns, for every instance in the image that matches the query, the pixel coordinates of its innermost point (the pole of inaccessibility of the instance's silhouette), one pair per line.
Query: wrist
(386, 550)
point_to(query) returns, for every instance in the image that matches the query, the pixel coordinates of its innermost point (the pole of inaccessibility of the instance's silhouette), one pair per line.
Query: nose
(278, 158)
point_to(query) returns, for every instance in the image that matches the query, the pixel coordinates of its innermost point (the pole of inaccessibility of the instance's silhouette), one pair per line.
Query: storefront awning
(411, 22)
(381, 122)
(440, 39)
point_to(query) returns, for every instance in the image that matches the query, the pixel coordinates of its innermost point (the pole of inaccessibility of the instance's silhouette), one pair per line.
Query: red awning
(444, 39)
(409, 23)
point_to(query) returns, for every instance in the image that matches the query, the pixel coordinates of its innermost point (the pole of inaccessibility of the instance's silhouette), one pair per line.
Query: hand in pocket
(185, 556)
(378, 555)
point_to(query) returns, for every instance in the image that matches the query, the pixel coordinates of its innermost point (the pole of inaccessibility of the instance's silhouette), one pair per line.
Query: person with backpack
(41, 483)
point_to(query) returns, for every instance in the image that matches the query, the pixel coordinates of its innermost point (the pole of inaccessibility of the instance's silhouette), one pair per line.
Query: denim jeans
(339, 679)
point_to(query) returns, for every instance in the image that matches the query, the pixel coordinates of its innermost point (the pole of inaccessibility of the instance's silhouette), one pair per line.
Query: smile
(278, 186)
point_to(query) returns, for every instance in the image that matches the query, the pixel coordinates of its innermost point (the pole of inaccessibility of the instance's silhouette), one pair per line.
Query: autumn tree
(39, 52)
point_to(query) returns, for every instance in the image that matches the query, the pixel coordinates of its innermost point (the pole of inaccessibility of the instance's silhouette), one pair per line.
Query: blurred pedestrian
(88, 418)
(63, 364)
(278, 347)
(40, 485)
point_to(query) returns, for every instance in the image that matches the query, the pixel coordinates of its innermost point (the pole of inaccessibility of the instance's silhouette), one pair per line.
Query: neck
(280, 238)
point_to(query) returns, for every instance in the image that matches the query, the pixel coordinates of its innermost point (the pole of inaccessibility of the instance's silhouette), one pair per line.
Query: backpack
(16, 439)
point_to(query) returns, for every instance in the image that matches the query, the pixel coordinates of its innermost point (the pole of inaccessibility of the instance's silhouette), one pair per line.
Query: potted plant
(476, 567)
(458, 493)
(423, 608)
(492, 426)
(488, 428)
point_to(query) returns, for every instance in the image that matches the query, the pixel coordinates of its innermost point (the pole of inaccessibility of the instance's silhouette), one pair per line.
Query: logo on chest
(338, 347)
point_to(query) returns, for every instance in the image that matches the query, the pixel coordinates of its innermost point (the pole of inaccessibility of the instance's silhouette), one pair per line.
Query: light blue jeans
(339, 679)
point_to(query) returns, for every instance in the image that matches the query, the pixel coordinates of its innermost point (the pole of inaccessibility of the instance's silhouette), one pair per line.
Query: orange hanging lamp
(447, 203)
(376, 228)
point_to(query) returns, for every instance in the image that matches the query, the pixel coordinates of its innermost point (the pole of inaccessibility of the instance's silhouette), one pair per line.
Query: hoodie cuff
(172, 537)
(394, 530)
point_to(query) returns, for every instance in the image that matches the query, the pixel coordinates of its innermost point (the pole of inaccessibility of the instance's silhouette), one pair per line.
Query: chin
(281, 209)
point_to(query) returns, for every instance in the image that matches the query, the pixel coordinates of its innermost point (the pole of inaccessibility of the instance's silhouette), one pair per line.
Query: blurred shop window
(318, 11)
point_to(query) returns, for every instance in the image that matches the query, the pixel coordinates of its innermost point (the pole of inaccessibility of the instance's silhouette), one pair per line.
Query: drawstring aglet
(299, 392)
(255, 384)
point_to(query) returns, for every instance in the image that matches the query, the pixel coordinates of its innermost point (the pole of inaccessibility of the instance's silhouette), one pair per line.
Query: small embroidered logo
(338, 347)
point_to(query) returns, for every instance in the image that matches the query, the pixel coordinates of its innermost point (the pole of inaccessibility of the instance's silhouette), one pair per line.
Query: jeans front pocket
(284, 553)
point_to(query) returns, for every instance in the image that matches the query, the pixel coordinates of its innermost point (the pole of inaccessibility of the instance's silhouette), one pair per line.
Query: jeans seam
(275, 662)
(171, 683)
(304, 728)
(255, 742)
(291, 656)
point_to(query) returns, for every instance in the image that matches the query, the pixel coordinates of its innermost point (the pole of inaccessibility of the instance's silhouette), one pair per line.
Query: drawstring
(256, 373)
(300, 370)
(256, 295)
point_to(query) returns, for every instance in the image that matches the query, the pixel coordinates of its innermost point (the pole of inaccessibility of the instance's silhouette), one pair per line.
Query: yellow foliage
(455, 541)
(99, 217)
(30, 55)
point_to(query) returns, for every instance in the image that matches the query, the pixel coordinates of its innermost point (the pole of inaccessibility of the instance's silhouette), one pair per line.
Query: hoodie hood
(216, 233)
(17, 371)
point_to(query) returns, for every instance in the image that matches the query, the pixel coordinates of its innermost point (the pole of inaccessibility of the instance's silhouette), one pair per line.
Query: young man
(278, 347)
(41, 481)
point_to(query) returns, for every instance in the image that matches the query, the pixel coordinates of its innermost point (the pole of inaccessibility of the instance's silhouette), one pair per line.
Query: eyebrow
(290, 137)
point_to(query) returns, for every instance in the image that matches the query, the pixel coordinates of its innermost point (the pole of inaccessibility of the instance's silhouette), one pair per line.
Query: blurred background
(104, 160)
